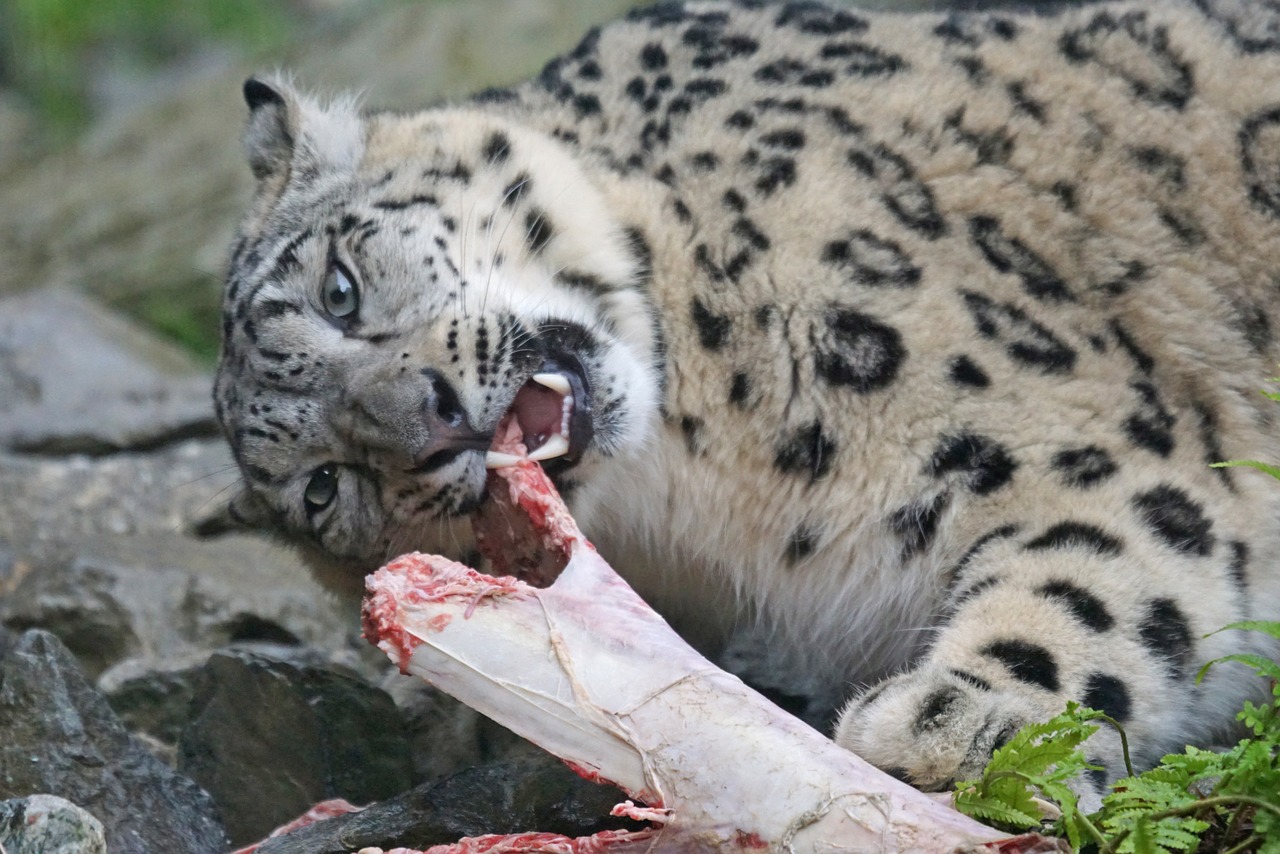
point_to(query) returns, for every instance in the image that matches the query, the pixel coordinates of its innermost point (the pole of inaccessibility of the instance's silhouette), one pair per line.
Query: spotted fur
(908, 340)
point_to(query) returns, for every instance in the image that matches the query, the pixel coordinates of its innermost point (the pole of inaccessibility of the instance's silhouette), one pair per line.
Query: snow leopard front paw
(936, 725)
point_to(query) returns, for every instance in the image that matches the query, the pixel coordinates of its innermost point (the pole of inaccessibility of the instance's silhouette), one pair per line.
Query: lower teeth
(555, 446)
(499, 460)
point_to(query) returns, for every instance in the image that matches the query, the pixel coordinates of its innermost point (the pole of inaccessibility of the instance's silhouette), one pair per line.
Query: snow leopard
(888, 355)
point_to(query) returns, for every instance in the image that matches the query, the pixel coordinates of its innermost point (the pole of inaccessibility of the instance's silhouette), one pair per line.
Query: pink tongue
(539, 411)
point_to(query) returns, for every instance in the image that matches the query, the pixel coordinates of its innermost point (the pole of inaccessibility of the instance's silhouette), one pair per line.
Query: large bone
(585, 669)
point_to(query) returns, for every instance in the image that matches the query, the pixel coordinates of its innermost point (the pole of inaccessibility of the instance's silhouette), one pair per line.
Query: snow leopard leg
(1108, 605)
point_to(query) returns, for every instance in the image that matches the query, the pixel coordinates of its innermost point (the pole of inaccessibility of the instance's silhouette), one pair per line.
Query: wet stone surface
(501, 797)
(62, 737)
(268, 738)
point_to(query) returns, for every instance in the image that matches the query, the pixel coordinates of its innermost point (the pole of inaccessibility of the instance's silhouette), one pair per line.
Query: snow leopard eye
(321, 488)
(340, 297)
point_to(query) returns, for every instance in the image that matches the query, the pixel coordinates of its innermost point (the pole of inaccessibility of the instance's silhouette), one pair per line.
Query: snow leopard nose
(442, 408)
(413, 421)
(448, 430)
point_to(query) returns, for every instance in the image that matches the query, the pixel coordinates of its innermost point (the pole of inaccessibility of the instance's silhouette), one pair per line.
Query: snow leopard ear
(247, 510)
(268, 139)
(216, 518)
(288, 129)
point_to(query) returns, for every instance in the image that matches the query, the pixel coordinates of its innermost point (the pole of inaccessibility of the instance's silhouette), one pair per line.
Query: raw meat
(585, 669)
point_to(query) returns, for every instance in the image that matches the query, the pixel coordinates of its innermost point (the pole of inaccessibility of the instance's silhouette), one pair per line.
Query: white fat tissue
(585, 669)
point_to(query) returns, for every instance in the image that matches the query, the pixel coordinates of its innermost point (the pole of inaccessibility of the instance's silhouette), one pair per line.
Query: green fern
(1195, 801)
(1129, 813)
(1036, 762)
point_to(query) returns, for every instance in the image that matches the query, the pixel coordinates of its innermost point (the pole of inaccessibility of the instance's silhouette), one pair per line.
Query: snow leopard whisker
(195, 513)
(511, 215)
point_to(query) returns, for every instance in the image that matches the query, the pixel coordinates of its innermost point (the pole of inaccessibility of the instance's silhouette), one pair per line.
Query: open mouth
(549, 420)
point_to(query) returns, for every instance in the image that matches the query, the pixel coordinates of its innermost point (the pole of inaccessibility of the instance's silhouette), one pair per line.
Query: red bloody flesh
(511, 540)
(524, 528)
(428, 578)
(605, 842)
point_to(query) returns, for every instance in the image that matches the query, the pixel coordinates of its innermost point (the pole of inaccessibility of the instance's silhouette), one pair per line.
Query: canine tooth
(499, 460)
(555, 446)
(555, 382)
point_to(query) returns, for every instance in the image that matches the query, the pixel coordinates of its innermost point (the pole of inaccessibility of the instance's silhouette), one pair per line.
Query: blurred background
(120, 168)
(119, 161)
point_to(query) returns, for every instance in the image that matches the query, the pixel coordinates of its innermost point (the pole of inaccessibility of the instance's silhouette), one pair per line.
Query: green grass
(49, 50)
(51, 46)
(188, 313)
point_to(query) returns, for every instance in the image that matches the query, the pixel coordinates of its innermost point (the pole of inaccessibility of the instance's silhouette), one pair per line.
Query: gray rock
(154, 702)
(81, 608)
(154, 699)
(163, 597)
(45, 824)
(55, 507)
(536, 794)
(18, 131)
(269, 738)
(8, 568)
(76, 378)
(59, 736)
(95, 550)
